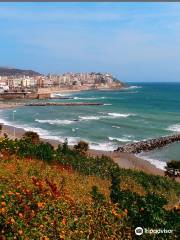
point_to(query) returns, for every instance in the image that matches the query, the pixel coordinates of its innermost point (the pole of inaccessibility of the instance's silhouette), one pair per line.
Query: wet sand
(124, 160)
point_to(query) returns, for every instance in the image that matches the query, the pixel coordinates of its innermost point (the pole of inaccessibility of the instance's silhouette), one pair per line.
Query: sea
(138, 112)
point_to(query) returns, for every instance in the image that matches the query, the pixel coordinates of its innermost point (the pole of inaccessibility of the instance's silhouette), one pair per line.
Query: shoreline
(124, 160)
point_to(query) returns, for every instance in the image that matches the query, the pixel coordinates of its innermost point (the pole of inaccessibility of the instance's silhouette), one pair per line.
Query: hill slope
(4, 71)
(48, 193)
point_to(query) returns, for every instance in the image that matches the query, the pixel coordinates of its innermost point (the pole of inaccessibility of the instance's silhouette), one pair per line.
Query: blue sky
(133, 41)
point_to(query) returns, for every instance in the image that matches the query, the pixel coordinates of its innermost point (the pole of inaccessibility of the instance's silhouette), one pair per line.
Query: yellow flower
(11, 221)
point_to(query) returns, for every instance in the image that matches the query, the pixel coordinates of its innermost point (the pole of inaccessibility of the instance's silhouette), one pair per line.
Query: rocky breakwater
(44, 104)
(148, 145)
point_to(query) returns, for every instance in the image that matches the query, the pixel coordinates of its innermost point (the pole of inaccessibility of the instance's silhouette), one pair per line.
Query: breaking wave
(123, 115)
(119, 139)
(55, 122)
(89, 117)
(88, 98)
(106, 146)
(106, 116)
(116, 127)
(157, 163)
(174, 128)
(134, 87)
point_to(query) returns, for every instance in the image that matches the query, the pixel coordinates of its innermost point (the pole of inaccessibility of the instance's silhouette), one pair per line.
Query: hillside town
(12, 85)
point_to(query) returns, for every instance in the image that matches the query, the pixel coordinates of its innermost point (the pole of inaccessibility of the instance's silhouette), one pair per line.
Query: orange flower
(20, 215)
(126, 211)
(41, 205)
(64, 221)
(2, 210)
(20, 232)
(3, 204)
(44, 238)
(116, 214)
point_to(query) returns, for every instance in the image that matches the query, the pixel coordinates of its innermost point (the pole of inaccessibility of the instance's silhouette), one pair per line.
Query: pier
(148, 145)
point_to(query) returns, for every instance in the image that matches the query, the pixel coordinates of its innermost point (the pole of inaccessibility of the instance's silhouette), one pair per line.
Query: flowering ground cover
(48, 193)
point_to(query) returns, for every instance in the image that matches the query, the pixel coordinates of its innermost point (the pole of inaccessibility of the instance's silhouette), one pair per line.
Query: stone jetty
(44, 104)
(148, 145)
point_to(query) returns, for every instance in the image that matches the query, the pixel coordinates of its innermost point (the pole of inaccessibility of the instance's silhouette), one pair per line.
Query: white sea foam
(157, 163)
(134, 87)
(55, 122)
(119, 139)
(88, 98)
(106, 116)
(89, 117)
(107, 104)
(54, 95)
(106, 146)
(116, 127)
(174, 128)
(121, 115)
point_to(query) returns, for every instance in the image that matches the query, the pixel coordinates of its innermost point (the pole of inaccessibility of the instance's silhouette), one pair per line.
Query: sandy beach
(124, 160)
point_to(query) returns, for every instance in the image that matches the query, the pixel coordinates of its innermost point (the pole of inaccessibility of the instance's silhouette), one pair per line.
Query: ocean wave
(116, 127)
(88, 98)
(174, 128)
(119, 139)
(89, 117)
(123, 115)
(54, 95)
(40, 131)
(107, 104)
(134, 87)
(157, 163)
(55, 122)
(106, 116)
(106, 146)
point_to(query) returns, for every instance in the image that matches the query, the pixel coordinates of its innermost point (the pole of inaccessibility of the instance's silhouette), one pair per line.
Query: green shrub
(32, 137)
(82, 147)
(173, 164)
(147, 211)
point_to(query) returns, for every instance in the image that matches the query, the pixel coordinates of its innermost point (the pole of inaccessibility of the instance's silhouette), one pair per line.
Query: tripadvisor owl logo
(139, 231)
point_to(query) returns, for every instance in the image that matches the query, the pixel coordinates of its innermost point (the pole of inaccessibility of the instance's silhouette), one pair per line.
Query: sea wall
(148, 145)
